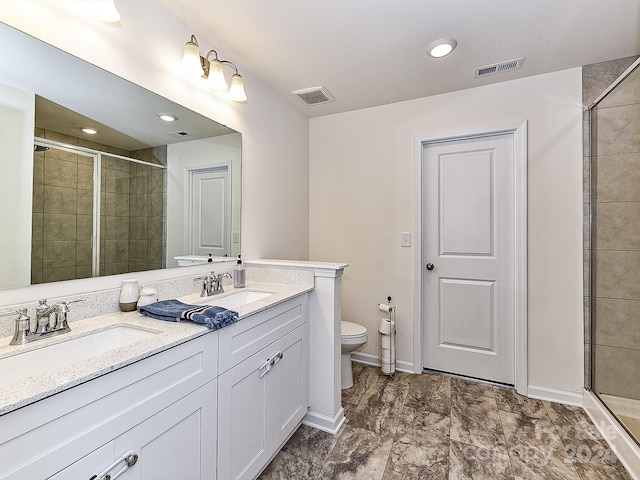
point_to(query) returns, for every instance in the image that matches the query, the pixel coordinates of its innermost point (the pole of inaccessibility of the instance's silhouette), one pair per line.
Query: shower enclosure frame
(97, 156)
(590, 117)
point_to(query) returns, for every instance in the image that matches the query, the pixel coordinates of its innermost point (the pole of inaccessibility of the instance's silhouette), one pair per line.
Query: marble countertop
(35, 385)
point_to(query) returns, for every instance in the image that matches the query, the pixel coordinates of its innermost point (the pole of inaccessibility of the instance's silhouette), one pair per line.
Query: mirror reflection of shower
(95, 212)
(614, 342)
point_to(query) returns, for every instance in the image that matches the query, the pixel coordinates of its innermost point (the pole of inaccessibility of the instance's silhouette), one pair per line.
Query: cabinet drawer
(41, 439)
(250, 335)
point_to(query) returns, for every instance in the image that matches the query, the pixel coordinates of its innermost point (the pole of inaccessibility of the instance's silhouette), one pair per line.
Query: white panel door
(210, 219)
(468, 255)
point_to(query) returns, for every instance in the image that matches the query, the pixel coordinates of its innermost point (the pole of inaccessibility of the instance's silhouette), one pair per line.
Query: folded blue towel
(174, 311)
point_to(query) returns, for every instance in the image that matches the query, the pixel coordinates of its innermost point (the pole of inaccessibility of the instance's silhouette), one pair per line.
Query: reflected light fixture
(442, 47)
(167, 117)
(212, 68)
(104, 10)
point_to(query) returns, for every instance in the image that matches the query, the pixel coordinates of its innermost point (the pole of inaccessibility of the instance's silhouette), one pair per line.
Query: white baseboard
(323, 422)
(372, 360)
(616, 436)
(552, 395)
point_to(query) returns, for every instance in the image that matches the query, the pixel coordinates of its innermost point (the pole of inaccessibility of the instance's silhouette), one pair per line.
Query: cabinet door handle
(277, 357)
(265, 367)
(129, 458)
(269, 363)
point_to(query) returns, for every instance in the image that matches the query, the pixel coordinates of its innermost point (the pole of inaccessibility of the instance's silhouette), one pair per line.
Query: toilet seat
(352, 330)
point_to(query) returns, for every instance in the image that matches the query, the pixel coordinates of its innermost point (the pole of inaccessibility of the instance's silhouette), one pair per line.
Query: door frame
(519, 133)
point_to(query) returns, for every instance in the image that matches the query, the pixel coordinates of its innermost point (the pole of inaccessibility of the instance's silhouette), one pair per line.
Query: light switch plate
(405, 239)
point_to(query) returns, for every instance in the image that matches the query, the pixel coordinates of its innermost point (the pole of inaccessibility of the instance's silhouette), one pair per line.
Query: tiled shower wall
(62, 213)
(132, 212)
(612, 165)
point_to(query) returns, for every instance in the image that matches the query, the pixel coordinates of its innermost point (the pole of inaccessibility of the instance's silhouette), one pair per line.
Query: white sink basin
(58, 355)
(236, 300)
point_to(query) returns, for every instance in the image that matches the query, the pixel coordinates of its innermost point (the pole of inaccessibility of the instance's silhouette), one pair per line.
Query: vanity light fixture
(212, 68)
(104, 10)
(89, 130)
(167, 117)
(442, 47)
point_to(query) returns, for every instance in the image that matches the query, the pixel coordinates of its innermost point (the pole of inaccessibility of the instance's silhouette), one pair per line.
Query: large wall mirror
(140, 194)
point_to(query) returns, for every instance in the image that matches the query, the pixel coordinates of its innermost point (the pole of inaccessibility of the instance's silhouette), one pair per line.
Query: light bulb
(191, 59)
(104, 10)
(216, 78)
(236, 90)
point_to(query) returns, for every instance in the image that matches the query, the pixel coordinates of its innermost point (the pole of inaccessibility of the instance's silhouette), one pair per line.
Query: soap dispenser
(238, 274)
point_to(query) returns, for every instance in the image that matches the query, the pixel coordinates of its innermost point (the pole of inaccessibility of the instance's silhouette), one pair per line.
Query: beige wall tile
(38, 168)
(618, 130)
(38, 198)
(36, 276)
(618, 274)
(618, 323)
(116, 251)
(60, 137)
(36, 256)
(85, 176)
(156, 228)
(618, 226)
(84, 255)
(37, 229)
(115, 268)
(59, 226)
(58, 274)
(116, 228)
(84, 271)
(626, 93)
(59, 199)
(598, 76)
(617, 371)
(59, 254)
(60, 173)
(139, 229)
(84, 224)
(139, 250)
(618, 177)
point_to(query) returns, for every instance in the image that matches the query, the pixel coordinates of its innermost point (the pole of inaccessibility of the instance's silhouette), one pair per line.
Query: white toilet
(353, 337)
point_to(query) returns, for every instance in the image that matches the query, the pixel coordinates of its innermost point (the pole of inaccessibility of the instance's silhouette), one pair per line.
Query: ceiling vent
(178, 134)
(508, 66)
(314, 95)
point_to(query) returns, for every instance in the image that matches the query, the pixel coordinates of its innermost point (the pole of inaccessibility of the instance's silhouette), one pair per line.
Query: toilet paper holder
(387, 339)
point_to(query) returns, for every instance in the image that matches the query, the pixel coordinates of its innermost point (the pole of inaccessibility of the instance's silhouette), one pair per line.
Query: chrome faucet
(216, 282)
(212, 283)
(44, 328)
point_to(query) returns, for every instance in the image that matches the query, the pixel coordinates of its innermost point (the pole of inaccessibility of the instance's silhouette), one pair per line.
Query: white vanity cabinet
(162, 408)
(175, 443)
(262, 387)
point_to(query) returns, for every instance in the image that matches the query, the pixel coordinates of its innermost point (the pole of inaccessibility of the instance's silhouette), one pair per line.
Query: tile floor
(436, 427)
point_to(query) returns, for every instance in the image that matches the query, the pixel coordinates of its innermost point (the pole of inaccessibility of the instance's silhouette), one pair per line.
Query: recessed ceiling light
(167, 117)
(442, 47)
(89, 130)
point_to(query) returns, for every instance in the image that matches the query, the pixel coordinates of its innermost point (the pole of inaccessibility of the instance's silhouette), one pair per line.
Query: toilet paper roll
(385, 342)
(387, 368)
(385, 326)
(385, 307)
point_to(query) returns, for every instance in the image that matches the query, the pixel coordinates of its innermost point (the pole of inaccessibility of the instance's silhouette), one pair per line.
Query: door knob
(430, 266)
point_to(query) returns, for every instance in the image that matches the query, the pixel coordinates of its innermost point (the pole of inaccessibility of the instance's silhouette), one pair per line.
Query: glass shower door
(615, 250)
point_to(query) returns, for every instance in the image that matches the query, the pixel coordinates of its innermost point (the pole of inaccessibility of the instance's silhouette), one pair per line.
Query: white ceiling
(372, 52)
